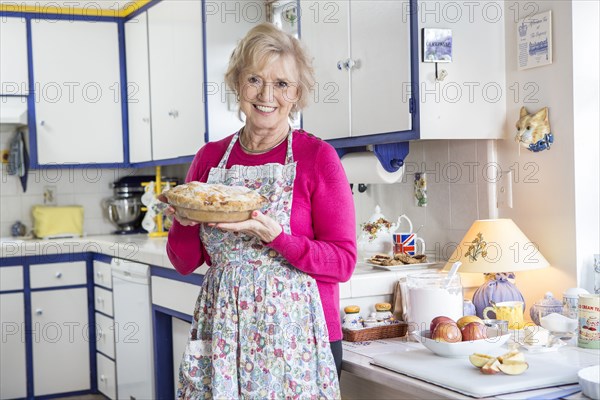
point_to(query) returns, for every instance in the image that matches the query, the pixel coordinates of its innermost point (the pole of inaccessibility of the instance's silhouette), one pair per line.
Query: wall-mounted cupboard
(14, 78)
(362, 63)
(165, 75)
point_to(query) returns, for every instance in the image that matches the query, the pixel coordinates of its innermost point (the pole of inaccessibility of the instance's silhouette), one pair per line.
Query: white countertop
(358, 357)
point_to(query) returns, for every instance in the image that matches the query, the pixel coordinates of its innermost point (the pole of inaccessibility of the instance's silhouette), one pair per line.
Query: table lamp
(498, 249)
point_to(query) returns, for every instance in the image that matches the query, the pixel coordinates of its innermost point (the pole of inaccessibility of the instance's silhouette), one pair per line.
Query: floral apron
(258, 331)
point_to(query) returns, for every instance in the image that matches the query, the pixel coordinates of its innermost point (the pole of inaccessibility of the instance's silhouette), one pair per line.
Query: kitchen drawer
(107, 381)
(57, 274)
(105, 335)
(11, 278)
(103, 301)
(184, 301)
(102, 274)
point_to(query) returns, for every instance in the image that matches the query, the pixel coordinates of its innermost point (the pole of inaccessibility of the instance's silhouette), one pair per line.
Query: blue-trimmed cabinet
(363, 82)
(76, 70)
(104, 313)
(13, 57)
(47, 300)
(164, 48)
(13, 375)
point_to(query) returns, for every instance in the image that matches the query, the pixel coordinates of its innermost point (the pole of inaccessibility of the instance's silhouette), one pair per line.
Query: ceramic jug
(376, 234)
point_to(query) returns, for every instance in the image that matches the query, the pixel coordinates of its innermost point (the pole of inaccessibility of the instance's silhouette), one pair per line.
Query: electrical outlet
(50, 195)
(504, 190)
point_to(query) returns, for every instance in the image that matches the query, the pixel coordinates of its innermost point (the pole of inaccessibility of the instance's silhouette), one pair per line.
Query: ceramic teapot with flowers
(375, 235)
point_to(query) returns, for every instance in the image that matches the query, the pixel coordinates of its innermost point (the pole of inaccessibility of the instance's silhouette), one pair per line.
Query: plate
(404, 267)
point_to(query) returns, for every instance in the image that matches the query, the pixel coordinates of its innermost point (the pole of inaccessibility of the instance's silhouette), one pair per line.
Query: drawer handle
(100, 299)
(99, 274)
(102, 378)
(39, 311)
(174, 113)
(58, 275)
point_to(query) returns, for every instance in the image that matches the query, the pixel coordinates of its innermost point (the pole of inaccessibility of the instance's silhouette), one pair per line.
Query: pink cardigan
(323, 238)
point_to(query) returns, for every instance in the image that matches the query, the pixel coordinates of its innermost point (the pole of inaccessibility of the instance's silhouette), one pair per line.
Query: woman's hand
(171, 211)
(263, 227)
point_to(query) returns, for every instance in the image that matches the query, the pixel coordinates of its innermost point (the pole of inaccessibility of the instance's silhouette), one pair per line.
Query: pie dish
(205, 202)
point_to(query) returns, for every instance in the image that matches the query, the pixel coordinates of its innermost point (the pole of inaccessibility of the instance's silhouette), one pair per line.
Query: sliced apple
(513, 355)
(479, 360)
(513, 367)
(492, 367)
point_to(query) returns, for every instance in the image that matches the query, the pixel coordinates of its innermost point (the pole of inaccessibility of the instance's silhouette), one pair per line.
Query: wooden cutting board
(545, 370)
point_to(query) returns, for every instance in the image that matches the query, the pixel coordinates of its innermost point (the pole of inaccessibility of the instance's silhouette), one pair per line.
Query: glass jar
(432, 294)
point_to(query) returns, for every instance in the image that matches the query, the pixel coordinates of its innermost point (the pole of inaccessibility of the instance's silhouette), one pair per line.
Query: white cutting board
(545, 370)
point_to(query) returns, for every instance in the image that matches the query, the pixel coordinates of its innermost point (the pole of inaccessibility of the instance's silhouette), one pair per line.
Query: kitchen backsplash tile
(85, 187)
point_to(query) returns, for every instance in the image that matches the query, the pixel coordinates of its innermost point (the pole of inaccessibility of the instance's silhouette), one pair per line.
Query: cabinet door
(223, 31)
(138, 89)
(325, 31)
(176, 78)
(13, 56)
(13, 378)
(78, 102)
(381, 76)
(60, 338)
(107, 384)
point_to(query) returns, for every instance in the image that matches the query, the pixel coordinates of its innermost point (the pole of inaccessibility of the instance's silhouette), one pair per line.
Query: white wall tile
(463, 209)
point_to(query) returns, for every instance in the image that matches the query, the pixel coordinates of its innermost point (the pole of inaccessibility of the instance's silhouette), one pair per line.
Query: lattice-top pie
(205, 202)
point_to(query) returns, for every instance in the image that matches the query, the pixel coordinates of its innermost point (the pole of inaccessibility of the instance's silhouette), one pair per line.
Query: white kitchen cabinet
(176, 78)
(102, 274)
(13, 378)
(470, 103)
(223, 32)
(107, 384)
(13, 57)
(60, 336)
(363, 81)
(138, 89)
(78, 92)
(105, 333)
(57, 274)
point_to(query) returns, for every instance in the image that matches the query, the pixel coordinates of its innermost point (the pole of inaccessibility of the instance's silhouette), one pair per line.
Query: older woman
(266, 323)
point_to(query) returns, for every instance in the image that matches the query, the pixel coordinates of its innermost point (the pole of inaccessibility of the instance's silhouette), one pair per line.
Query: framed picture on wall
(437, 45)
(534, 41)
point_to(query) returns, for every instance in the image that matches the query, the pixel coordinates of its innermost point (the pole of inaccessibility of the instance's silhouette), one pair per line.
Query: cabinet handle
(42, 123)
(100, 300)
(347, 64)
(102, 378)
(146, 120)
(39, 311)
(58, 275)
(99, 274)
(174, 113)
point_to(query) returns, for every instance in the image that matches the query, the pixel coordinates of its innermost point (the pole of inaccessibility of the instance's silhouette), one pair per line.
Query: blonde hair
(263, 44)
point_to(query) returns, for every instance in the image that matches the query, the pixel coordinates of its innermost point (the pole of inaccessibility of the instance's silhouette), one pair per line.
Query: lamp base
(497, 287)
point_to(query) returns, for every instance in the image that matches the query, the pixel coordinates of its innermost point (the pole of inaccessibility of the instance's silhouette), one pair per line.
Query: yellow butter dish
(57, 221)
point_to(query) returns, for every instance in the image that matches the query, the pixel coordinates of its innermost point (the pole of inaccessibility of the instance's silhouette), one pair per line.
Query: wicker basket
(378, 332)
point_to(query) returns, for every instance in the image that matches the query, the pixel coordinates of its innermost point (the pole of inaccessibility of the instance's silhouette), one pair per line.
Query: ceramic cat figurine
(533, 130)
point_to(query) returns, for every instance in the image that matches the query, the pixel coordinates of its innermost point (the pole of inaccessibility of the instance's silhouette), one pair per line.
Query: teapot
(376, 234)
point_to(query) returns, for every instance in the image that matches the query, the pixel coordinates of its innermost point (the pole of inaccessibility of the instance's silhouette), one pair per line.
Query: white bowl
(589, 380)
(463, 349)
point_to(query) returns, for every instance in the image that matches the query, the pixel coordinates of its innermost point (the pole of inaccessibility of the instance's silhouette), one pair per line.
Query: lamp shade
(496, 245)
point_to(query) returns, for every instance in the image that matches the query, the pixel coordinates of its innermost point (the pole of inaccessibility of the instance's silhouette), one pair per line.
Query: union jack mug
(407, 243)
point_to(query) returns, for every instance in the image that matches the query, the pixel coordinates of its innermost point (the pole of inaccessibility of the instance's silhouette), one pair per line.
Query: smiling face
(268, 93)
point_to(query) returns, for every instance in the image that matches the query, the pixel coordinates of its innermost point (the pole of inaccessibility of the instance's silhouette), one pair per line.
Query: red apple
(437, 320)
(447, 332)
(473, 331)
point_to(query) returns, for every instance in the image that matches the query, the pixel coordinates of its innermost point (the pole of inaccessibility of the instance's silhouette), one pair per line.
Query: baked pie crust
(206, 202)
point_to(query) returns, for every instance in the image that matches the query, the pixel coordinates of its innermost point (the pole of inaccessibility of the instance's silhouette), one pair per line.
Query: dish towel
(18, 159)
